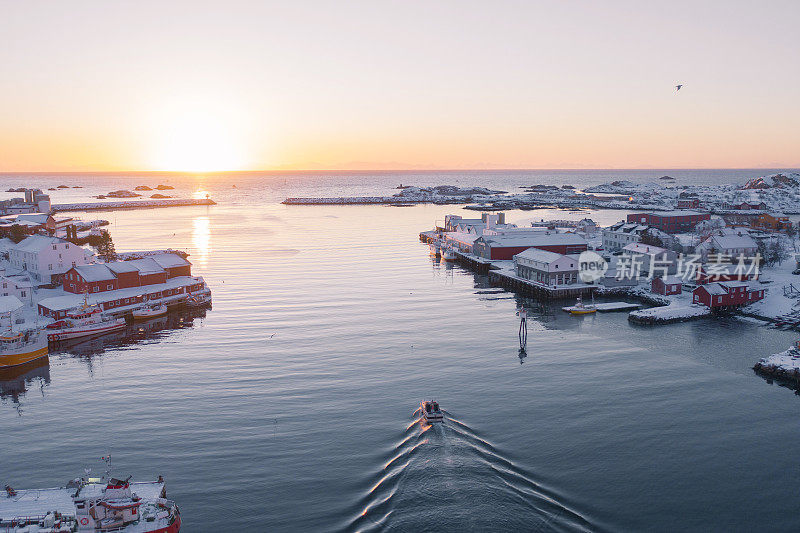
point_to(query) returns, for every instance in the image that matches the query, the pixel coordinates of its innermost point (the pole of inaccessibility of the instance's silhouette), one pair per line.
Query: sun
(197, 140)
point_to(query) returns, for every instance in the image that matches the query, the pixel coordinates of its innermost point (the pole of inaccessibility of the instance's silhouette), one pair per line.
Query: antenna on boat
(107, 459)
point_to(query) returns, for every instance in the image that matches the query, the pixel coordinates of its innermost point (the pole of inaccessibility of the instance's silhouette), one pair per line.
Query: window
(23, 293)
(109, 287)
(54, 247)
(50, 267)
(95, 289)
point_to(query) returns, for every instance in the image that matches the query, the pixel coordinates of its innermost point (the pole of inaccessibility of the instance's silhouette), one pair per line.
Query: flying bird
(678, 87)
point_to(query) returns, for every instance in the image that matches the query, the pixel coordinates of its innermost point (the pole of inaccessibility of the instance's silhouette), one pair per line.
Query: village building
(726, 294)
(652, 259)
(123, 285)
(16, 285)
(505, 247)
(586, 226)
(621, 234)
(745, 206)
(35, 201)
(771, 222)
(103, 277)
(547, 268)
(734, 244)
(667, 285)
(678, 221)
(47, 258)
(711, 272)
(688, 203)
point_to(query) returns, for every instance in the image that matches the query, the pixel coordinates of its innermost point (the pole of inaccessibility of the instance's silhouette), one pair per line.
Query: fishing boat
(20, 347)
(84, 321)
(580, 308)
(18, 344)
(149, 311)
(430, 411)
(89, 504)
(449, 254)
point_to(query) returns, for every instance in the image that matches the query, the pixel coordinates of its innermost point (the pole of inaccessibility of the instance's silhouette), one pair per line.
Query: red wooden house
(709, 273)
(125, 274)
(726, 294)
(667, 285)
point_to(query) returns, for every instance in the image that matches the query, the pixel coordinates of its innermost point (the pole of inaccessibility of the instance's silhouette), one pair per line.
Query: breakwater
(134, 204)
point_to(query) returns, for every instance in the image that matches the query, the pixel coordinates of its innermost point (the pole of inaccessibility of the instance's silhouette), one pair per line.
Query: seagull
(678, 87)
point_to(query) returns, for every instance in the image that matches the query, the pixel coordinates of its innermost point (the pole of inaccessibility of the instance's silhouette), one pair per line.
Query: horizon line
(376, 170)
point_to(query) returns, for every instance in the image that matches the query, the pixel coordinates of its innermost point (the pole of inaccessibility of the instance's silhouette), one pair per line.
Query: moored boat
(149, 311)
(448, 254)
(580, 308)
(91, 504)
(84, 321)
(435, 248)
(20, 347)
(430, 411)
(199, 299)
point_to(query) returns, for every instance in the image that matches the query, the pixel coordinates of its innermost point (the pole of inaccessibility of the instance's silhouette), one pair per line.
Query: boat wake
(446, 477)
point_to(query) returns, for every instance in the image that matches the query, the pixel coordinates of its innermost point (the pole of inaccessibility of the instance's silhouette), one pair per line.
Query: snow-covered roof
(639, 248)
(39, 218)
(68, 301)
(97, 272)
(146, 265)
(671, 280)
(170, 260)
(674, 213)
(726, 242)
(9, 304)
(535, 239)
(119, 267)
(713, 289)
(542, 256)
(36, 243)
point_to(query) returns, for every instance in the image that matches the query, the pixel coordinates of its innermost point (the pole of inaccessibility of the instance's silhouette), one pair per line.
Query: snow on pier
(608, 307)
(783, 366)
(131, 204)
(675, 312)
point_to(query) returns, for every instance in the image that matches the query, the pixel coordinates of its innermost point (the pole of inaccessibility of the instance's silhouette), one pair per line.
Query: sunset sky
(200, 86)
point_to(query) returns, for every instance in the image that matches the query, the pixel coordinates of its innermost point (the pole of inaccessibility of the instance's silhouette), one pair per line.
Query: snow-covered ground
(775, 303)
(788, 360)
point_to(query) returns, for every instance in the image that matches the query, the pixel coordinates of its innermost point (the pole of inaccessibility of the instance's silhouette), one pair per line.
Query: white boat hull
(144, 314)
(88, 331)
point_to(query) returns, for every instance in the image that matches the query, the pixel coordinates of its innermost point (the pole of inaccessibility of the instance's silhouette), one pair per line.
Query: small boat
(200, 299)
(449, 254)
(84, 321)
(580, 308)
(149, 311)
(89, 504)
(430, 411)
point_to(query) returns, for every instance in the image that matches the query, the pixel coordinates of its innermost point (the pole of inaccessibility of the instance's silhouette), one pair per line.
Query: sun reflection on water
(201, 238)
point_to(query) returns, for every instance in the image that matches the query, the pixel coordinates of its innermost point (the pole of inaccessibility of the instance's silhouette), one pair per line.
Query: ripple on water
(448, 475)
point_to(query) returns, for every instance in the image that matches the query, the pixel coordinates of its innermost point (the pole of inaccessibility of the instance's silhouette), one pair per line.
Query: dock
(610, 307)
(131, 204)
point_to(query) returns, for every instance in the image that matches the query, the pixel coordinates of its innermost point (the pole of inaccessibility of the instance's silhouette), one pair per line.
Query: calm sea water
(289, 406)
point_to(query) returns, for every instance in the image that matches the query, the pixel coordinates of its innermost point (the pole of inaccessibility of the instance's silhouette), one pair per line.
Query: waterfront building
(120, 301)
(505, 247)
(652, 259)
(35, 201)
(670, 221)
(19, 286)
(547, 268)
(667, 285)
(621, 234)
(149, 270)
(47, 258)
(726, 294)
(587, 226)
(612, 279)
